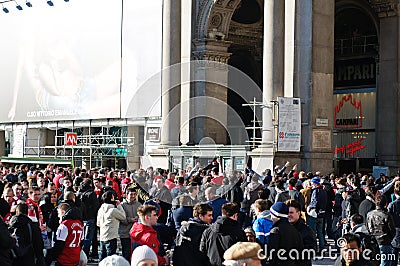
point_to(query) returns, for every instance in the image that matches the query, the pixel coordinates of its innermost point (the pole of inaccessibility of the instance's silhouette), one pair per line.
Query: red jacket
(116, 188)
(169, 184)
(217, 180)
(144, 235)
(57, 180)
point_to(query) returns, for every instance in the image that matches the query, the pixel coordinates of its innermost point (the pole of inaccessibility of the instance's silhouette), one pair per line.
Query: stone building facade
(340, 57)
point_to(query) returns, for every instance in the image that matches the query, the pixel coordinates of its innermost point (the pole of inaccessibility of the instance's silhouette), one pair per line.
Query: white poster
(18, 140)
(289, 128)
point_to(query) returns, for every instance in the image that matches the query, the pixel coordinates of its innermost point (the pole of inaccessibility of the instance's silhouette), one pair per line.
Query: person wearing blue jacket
(263, 224)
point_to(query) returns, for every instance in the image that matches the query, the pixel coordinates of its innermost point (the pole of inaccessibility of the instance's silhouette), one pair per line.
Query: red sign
(348, 122)
(350, 148)
(71, 139)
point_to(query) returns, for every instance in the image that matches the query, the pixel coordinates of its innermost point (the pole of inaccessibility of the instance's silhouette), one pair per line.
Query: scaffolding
(92, 149)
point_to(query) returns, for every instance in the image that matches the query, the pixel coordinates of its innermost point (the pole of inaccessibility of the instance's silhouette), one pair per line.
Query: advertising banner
(289, 127)
(63, 62)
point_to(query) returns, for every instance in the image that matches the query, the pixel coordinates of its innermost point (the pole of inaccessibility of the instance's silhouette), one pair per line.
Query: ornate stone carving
(231, 4)
(216, 20)
(212, 50)
(219, 2)
(213, 12)
(385, 8)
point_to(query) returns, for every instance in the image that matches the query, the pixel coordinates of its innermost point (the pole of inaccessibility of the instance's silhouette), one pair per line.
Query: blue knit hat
(316, 180)
(279, 210)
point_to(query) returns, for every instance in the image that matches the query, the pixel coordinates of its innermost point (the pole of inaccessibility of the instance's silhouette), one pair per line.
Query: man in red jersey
(34, 211)
(67, 247)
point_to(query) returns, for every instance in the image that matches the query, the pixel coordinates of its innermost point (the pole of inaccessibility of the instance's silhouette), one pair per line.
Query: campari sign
(348, 112)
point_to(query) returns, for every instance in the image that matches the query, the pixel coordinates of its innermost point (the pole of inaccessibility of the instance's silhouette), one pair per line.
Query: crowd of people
(195, 216)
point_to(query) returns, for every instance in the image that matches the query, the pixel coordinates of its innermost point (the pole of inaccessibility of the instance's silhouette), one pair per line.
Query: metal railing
(358, 45)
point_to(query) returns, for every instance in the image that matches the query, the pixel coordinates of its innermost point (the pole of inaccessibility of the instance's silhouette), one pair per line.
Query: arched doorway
(355, 87)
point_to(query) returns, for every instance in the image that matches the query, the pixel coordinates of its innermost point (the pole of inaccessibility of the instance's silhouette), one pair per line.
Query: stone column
(387, 102)
(186, 56)
(302, 73)
(209, 94)
(321, 106)
(273, 76)
(171, 92)
(290, 20)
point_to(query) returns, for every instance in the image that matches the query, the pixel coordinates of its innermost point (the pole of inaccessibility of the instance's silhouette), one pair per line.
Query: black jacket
(349, 207)
(337, 207)
(12, 178)
(394, 210)
(284, 236)
(54, 221)
(19, 223)
(331, 196)
(235, 194)
(365, 207)
(358, 196)
(319, 201)
(308, 238)
(89, 204)
(220, 236)
(380, 224)
(188, 244)
(22, 176)
(6, 243)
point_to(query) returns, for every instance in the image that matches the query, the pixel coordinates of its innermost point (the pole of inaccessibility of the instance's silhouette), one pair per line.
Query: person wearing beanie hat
(283, 236)
(316, 180)
(248, 254)
(250, 234)
(143, 255)
(114, 260)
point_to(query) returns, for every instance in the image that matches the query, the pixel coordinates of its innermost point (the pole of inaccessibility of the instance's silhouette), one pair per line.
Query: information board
(289, 124)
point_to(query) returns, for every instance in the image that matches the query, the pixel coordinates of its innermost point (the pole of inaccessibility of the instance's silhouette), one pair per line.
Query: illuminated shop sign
(348, 112)
(350, 148)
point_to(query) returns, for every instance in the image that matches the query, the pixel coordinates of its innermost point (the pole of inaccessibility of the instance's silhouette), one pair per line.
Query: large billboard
(141, 58)
(63, 62)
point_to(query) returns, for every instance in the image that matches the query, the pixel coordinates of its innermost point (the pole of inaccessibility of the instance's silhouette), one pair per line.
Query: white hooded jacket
(108, 219)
